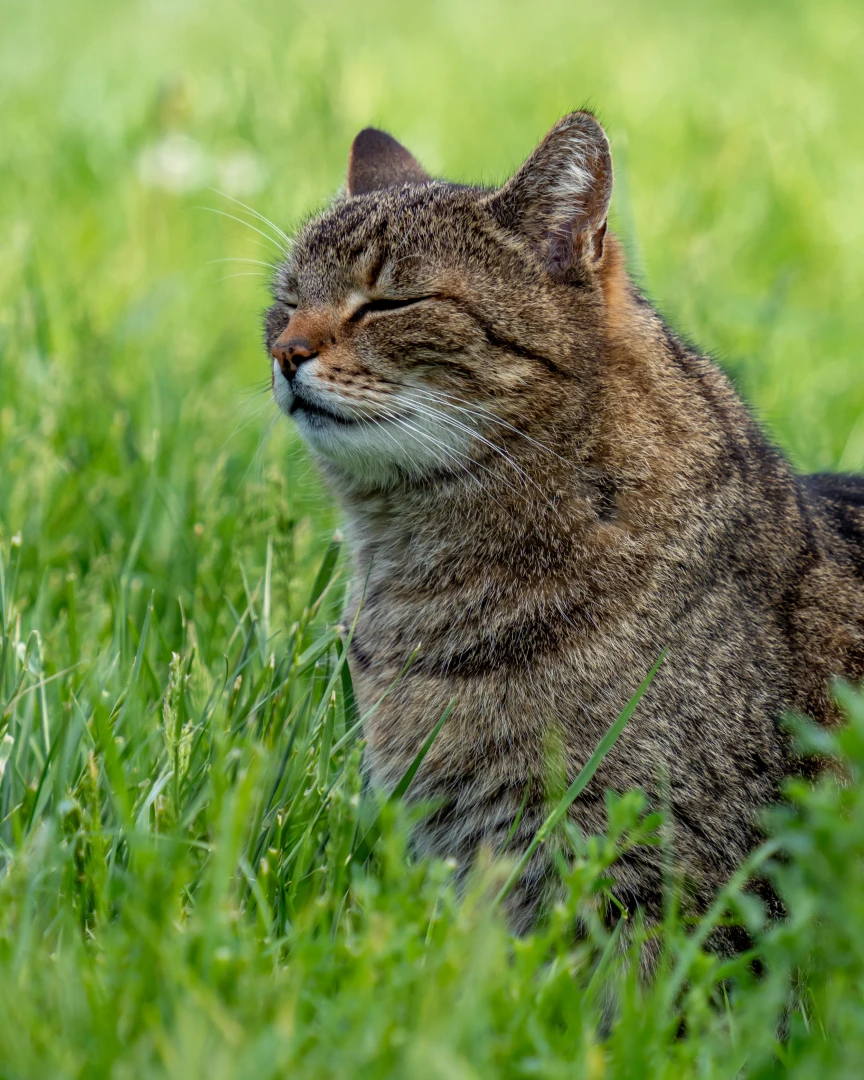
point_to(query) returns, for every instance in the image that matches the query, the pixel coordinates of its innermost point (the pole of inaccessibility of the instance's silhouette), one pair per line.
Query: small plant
(191, 873)
(188, 884)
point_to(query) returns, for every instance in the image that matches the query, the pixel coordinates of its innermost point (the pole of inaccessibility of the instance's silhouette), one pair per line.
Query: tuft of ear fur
(378, 161)
(559, 199)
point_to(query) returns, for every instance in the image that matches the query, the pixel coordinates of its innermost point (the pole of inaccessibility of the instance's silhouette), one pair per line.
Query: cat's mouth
(319, 414)
(369, 441)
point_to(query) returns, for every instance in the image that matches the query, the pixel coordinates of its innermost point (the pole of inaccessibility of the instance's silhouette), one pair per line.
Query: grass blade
(363, 850)
(136, 667)
(328, 567)
(579, 784)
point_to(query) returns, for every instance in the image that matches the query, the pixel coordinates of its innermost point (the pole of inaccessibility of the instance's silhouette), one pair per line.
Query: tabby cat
(544, 488)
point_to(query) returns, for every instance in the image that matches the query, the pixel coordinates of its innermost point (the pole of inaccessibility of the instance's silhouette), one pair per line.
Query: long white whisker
(242, 273)
(283, 235)
(403, 422)
(481, 412)
(438, 417)
(248, 224)
(455, 455)
(253, 390)
(476, 434)
(417, 402)
(250, 418)
(383, 428)
(258, 457)
(233, 258)
(508, 460)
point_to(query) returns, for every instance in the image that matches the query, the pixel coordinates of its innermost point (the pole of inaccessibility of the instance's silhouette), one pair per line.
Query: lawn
(184, 882)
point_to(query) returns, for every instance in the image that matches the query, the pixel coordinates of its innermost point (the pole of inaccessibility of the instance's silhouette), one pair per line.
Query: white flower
(241, 173)
(175, 163)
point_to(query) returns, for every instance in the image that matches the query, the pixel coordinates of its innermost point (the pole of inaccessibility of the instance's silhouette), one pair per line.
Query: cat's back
(839, 497)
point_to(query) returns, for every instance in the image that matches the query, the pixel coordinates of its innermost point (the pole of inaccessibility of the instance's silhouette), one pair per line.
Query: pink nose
(290, 352)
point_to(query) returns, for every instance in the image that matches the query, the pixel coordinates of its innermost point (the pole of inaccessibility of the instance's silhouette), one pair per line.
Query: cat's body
(544, 488)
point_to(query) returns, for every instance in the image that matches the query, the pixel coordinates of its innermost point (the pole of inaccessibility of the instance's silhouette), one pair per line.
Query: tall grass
(193, 880)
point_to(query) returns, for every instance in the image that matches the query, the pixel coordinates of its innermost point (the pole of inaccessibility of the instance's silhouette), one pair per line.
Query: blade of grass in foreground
(363, 850)
(579, 784)
(325, 573)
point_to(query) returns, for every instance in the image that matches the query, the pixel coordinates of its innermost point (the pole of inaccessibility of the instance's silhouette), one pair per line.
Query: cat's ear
(559, 199)
(378, 161)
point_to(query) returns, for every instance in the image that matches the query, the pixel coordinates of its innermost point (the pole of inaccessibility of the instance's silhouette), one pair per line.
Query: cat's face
(416, 321)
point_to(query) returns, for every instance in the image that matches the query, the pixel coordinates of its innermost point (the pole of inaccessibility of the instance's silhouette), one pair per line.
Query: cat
(544, 488)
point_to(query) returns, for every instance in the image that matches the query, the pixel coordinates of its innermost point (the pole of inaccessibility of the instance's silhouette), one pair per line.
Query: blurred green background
(140, 457)
(740, 192)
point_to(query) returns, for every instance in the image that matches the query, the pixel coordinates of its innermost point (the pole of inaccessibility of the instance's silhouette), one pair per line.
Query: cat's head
(418, 326)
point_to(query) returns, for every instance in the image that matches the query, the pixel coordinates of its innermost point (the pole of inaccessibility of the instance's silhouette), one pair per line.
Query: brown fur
(590, 491)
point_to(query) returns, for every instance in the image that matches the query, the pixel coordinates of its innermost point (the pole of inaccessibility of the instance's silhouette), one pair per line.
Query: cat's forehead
(397, 229)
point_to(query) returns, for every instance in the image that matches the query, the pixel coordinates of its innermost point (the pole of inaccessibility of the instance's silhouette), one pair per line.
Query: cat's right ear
(559, 199)
(378, 161)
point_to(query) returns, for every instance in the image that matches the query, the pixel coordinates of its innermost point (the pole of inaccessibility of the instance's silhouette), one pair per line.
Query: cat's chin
(380, 453)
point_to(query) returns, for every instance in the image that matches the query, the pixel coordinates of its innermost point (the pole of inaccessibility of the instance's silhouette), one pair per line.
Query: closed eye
(372, 306)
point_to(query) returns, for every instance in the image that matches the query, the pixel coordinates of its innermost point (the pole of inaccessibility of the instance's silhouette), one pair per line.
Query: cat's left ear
(559, 199)
(378, 161)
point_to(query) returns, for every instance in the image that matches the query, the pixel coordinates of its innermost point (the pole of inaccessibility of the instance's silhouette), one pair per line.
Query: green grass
(180, 792)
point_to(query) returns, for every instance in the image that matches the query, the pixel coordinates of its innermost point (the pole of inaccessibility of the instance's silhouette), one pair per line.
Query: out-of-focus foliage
(180, 788)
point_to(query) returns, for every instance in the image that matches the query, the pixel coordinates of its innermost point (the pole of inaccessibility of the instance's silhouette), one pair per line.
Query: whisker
(455, 455)
(249, 420)
(435, 415)
(417, 435)
(382, 427)
(493, 446)
(279, 232)
(257, 459)
(266, 382)
(248, 224)
(486, 414)
(243, 273)
(254, 262)
(499, 449)
(255, 389)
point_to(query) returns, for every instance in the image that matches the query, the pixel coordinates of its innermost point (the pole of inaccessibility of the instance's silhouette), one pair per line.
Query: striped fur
(543, 488)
